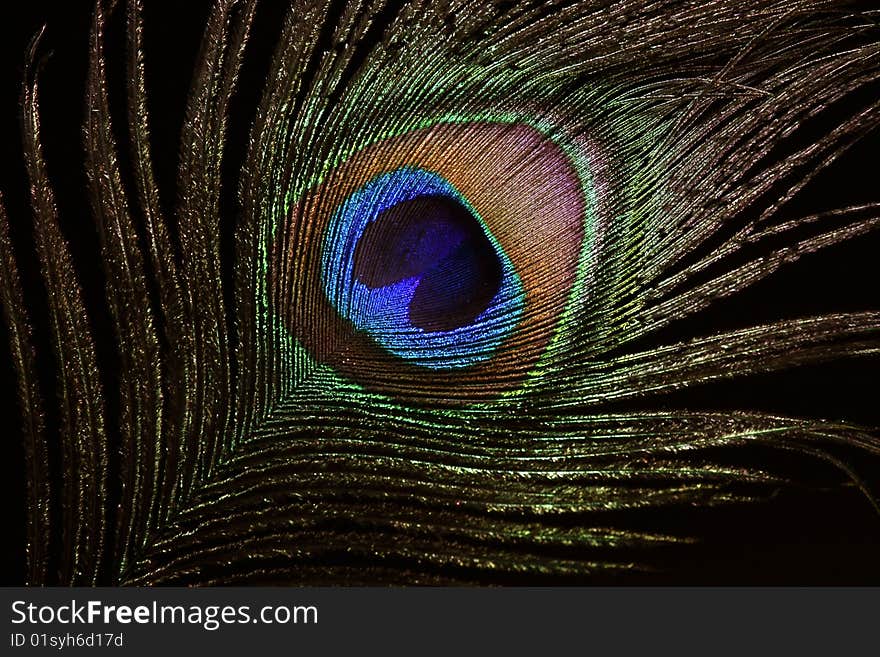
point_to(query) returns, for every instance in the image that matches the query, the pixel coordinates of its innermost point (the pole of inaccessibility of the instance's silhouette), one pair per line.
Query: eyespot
(435, 264)
(409, 263)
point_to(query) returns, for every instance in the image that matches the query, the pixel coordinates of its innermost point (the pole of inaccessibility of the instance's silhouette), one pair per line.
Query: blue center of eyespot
(407, 260)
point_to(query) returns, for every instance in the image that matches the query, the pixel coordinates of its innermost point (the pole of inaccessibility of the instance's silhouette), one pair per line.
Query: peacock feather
(429, 325)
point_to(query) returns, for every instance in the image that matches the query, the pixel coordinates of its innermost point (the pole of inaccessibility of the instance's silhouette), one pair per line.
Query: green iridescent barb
(461, 230)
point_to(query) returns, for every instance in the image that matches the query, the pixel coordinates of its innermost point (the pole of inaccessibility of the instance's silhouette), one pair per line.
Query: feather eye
(440, 261)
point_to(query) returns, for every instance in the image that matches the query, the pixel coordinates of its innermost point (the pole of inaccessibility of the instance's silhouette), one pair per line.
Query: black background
(801, 536)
